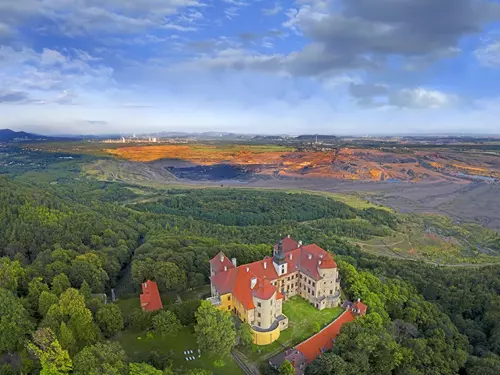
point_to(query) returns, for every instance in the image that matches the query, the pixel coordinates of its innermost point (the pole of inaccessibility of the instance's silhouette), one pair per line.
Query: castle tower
(279, 260)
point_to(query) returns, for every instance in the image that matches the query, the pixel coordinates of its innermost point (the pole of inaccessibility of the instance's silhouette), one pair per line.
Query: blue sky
(304, 66)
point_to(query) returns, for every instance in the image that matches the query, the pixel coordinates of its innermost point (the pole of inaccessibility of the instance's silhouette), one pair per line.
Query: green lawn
(301, 314)
(138, 346)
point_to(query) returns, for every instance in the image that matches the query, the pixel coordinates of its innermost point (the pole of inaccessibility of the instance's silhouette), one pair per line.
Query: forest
(63, 245)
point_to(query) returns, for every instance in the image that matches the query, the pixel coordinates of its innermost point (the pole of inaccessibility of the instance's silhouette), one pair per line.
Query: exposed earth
(341, 163)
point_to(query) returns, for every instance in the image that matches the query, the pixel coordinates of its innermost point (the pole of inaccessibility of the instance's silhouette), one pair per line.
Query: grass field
(138, 346)
(301, 317)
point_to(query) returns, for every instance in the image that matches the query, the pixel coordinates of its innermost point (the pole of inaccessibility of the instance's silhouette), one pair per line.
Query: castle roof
(323, 340)
(264, 289)
(288, 244)
(221, 263)
(237, 280)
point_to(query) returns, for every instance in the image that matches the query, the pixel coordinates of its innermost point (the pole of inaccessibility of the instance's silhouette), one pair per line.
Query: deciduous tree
(54, 360)
(215, 331)
(143, 369)
(245, 335)
(109, 318)
(165, 323)
(14, 322)
(286, 368)
(99, 359)
(60, 283)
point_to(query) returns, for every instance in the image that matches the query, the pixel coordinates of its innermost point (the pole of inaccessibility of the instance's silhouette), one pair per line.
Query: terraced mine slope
(344, 163)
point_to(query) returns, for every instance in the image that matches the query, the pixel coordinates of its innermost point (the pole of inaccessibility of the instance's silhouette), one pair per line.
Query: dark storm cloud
(368, 31)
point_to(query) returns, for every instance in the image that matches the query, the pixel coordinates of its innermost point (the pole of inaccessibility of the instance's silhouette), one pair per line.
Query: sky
(340, 67)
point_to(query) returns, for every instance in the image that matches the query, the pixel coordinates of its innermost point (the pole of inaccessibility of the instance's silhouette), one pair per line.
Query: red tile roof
(323, 340)
(264, 290)
(150, 297)
(312, 257)
(242, 290)
(224, 281)
(359, 308)
(288, 244)
(307, 259)
(219, 262)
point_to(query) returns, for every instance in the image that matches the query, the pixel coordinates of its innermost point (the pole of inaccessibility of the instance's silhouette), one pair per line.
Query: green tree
(186, 311)
(215, 331)
(143, 369)
(54, 360)
(99, 359)
(199, 371)
(78, 317)
(35, 288)
(45, 301)
(60, 283)
(109, 319)
(327, 364)
(165, 323)
(140, 320)
(66, 338)
(10, 272)
(88, 267)
(286, 368)
(245, 335)
(85, 291)
(15, 324)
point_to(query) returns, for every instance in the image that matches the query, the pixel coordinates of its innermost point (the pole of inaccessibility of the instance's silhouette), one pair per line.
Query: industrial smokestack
(234, 261)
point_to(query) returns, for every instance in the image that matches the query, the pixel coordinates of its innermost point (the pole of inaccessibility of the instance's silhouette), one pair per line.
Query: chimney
(225, 268)
(248, 269)
(290, 256)
(222, 258)
(253, 282)
(319, 262)
(321, 256)
(265, 265)
(288, 236)
(309, 256)
(359, 299)
(300, 243)
(234, 261)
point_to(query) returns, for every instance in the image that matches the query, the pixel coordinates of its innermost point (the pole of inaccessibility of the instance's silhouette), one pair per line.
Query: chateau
(255, 292)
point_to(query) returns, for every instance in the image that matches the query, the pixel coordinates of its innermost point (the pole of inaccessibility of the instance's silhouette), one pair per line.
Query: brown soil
(346, 164)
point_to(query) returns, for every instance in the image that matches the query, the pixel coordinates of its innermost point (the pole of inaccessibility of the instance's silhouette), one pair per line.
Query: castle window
(229, 307)
(259, 304)
(313, 284)
(229, 298)
(258, 315)
(331, 291)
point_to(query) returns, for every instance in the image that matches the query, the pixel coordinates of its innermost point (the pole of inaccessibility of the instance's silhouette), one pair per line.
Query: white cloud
(488, 54)
(50, 76)
(421, 98)
(272, 11)
(94, 17)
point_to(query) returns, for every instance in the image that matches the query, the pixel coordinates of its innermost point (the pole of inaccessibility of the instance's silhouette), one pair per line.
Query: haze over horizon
(310, 66)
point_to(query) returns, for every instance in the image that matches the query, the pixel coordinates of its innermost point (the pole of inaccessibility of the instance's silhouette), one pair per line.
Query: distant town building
(150, 297)
(255, 292)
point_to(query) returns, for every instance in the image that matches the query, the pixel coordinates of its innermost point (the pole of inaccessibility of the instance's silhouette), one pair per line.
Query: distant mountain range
(8, 135)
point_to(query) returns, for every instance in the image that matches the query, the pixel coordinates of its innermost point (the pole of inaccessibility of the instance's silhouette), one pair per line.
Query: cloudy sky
(251, 66)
